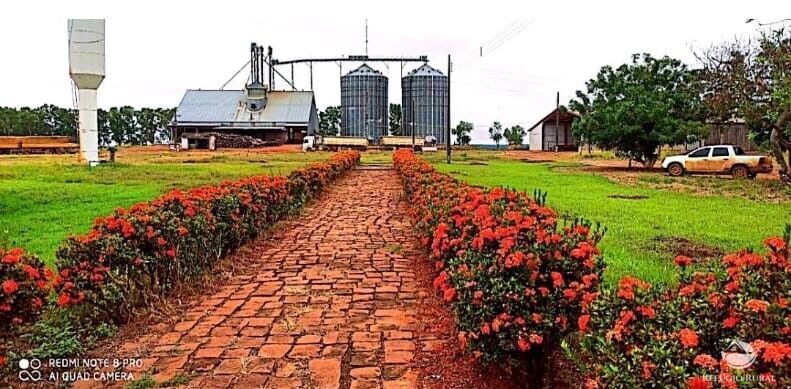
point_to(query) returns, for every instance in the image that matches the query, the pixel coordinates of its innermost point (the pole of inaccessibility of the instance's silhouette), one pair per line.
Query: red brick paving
(328, 302)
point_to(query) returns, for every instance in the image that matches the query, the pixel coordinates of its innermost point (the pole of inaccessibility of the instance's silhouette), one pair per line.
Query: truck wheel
(675, 169)
(740, 171)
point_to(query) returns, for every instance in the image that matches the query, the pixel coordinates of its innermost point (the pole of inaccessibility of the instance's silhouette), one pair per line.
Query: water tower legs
(89, 131)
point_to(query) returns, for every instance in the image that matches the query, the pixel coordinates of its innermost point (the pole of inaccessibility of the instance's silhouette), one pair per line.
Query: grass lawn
(43, 199)
(646, 229)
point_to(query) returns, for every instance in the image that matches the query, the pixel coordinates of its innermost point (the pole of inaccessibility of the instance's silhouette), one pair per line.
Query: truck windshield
(739, 151)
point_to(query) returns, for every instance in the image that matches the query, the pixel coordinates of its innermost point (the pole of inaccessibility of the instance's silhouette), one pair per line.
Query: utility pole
(557, 120)
(311, 75)
(447, 133)
(366, 36)
(365, 115)
(413, 116)
(292, 78)
(271, 69)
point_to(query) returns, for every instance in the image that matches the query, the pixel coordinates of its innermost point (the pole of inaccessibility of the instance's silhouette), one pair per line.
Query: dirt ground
(597, 164)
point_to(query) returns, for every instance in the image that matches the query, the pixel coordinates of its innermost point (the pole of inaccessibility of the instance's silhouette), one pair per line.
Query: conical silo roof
(364, 70)
(425, 70)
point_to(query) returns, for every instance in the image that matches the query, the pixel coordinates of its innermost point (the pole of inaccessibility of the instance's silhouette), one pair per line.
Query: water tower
(86, 68)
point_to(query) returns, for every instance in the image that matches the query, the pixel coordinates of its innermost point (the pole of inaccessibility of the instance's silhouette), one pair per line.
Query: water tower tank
(86, 68)
(424, 102)
(364, 103)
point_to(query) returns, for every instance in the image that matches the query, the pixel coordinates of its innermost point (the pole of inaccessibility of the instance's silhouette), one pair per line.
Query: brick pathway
(328, 302)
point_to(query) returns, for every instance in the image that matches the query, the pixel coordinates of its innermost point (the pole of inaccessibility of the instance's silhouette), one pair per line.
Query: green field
(646, 226)
(43, 199)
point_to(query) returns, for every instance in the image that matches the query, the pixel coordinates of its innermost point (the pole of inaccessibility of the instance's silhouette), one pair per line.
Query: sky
(157, 49)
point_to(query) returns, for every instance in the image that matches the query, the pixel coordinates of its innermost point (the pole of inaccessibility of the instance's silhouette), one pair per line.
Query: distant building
(285, 116)
(364, 105)
(553, 132)
(273, 116)
(732, 132)
(425, 103)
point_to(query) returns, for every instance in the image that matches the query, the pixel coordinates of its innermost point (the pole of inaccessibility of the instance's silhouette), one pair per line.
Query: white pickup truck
(718, 159)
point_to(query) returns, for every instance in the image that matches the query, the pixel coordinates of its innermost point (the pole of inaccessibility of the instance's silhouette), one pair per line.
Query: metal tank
(424, 102)
(364, 103)
(86, 68)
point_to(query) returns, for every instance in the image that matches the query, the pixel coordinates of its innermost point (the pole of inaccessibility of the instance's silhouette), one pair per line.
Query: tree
(462, 133)
(751, 80)
(394, 120)
(330, 121)
(496, 133)
(515, 135)
(639, 107)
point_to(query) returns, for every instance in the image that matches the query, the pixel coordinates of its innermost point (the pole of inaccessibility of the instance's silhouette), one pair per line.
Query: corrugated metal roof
(425, 70)
(364, 70)
(223, 106)
(208, 105)
(282, 106)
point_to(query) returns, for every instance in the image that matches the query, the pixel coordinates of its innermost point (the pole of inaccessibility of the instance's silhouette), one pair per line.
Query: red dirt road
(330, 301)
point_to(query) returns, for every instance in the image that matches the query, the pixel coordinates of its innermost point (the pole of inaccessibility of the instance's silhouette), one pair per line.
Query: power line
(508, 28)
(514, 32)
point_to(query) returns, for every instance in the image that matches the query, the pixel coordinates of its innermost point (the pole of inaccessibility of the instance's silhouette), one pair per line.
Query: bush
(152, 247)
(639, 336)
(24, 287)
(516, 279)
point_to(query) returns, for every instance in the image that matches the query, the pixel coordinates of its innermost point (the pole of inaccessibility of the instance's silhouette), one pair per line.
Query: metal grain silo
(424, 93)
(364, 103)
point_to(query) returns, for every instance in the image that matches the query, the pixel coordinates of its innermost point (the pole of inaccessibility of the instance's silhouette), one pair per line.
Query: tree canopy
(496, 133)
(751, 80)
(119, 125)
(394, 120)
(515, 135)
(462, 133)
(638, 107)
(330, 121)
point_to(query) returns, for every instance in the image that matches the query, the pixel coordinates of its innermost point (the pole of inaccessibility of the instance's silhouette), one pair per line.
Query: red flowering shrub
(518, 281)
(681, 337)
(24, 286)
(153, 246)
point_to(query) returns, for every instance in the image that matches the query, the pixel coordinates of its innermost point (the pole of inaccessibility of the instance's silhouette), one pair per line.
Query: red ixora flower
(648, 366)
(449, 294)
(698, 383)
(730, 322)
(775, 243)
(647, 312)
(13, 256)
(757, 305)
(523, 344)
(706, 361)
(63, 299)
(682, 260)
(688, 337)
(583, 321)
(557, 279)
(10, 286)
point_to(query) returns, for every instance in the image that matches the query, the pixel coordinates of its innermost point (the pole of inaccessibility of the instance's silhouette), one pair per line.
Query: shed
(732, 132)
(553, 132)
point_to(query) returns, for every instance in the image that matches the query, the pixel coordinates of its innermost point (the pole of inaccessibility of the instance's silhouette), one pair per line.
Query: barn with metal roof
(274, 116)
(283, 116)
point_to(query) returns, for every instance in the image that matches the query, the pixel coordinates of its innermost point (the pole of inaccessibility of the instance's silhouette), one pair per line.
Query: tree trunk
(780, 143)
